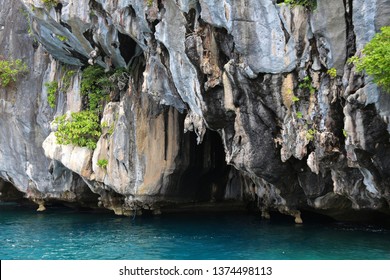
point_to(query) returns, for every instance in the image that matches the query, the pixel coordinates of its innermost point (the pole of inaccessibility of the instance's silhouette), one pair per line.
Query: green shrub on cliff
(61, 38)
(310, 134)
(332, 72)
(102, 163)
(306, 83)
(310, 4)
(10, 70)
(50, 3)
(52, 89)
(375, 60)
(66, 79)
(81, 129)
(95, 85)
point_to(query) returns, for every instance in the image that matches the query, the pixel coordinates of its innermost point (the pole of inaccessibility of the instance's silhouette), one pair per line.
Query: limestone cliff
(248, 81)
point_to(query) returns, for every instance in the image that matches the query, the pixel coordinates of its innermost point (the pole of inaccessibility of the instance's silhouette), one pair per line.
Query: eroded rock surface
(249, 79)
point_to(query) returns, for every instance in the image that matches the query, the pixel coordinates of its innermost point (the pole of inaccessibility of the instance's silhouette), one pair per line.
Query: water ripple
(64, 234)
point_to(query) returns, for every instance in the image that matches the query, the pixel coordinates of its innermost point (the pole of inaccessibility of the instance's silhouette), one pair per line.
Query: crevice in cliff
(79, 56)
(191, 19)
(166, 133)
(195, 48)
(160, 4)
(315, 53)
(67, 26)
(136, 68)
(225, 42)
(97, 7)
(351, 37)
(153, 12)
(284, 29)
(131, 11)
(336, 122)
(58, 8)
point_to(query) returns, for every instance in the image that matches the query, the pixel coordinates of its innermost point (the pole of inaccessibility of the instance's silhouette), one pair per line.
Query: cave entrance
(9, 193)
(127, 47)
(206, 177)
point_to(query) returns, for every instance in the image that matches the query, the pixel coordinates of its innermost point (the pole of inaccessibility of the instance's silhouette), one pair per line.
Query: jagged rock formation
(249, 78)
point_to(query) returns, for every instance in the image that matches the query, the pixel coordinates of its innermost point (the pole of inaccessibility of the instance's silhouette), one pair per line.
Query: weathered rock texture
(249, 78)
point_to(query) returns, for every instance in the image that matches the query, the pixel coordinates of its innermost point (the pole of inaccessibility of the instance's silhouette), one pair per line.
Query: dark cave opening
(9, 193)
(58, 8)
(131, 11)
(206, 176)
(127, 47)
(88, 34)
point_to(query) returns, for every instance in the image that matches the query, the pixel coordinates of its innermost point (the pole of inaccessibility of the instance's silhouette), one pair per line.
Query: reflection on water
(67, 234)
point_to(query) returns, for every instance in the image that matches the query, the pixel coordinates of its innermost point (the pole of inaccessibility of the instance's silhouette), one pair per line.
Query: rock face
(246, 80)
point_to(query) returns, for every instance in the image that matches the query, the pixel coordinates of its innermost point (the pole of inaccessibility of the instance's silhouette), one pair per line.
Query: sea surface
(68, 234)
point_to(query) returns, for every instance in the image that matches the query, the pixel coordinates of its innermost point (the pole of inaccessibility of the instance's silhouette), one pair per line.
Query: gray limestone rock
(272, 127)
(330, 30)
(368, 17)
(22, 161)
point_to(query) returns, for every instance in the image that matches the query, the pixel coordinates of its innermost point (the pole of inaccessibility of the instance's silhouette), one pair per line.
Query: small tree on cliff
(10, 70)
(375, 60)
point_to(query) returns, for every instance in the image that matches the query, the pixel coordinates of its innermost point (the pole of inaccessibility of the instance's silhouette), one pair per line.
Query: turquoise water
(67, 234)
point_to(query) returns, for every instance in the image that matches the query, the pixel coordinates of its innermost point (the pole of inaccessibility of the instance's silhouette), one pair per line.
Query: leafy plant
(111, 129)
(332, 72)
(353, 60)
(102, 163)
(299, 115)
(306, 84)
(376, 58)
(81, 129)
(104, 124)
(345, 133)
(66, 79)
(10, 70)
(310, 4)
(50, 3)
(52, 89)
(149, 3)
(294, 98)
(95, 84)
(26, 15)
(310, 134)
(61, 38)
